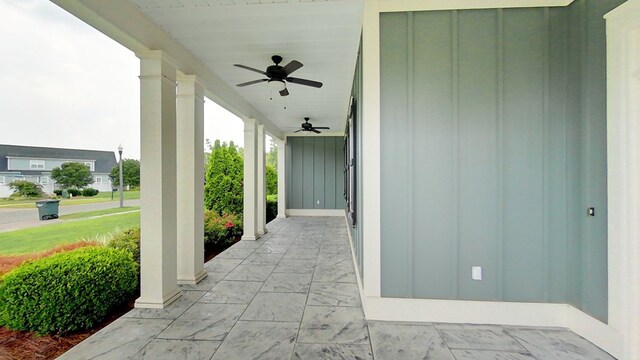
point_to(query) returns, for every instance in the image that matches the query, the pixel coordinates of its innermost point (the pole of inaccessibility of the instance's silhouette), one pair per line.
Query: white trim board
(498, 313)
(312, 134)
(422, 5)
(315, 212)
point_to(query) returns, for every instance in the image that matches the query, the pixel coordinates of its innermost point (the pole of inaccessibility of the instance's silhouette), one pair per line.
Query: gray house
(35, 164)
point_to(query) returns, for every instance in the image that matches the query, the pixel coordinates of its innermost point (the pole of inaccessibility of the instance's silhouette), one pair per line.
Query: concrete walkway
(293, 295)
(16, 219)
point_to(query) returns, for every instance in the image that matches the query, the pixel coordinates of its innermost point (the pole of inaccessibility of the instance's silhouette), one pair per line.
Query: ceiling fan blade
(284, 92)
(250, 69)
(322, 127)
(252, 82)
(298, 130)
(292, 66)
(315, 131)
(306, 82)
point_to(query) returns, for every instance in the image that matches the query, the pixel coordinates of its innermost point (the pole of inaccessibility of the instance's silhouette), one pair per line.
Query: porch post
(250, 180)
(190, 179)
(623, 168)
(282, 186)
(158, 282)
(262, 187)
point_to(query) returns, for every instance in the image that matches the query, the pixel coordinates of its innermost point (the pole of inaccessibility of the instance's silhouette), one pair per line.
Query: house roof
(104, 160)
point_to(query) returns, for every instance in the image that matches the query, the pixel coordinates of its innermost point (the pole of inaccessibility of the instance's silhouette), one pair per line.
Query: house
(35, 164)
(492, 148)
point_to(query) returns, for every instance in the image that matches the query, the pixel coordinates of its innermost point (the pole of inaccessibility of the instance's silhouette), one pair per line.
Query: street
(15, 219)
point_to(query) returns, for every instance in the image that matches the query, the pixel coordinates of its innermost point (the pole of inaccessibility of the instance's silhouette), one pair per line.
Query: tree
(72, 175)
(271, 180)
(272, 155)
(130, 173)
(223, 190)
(26, 189)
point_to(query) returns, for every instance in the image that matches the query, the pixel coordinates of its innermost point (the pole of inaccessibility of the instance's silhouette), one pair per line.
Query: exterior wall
(48, 185)
(356, 231)
(314, 172)
(493, 143)
(16, 164)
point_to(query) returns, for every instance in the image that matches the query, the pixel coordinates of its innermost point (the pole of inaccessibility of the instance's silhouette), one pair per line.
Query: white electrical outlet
(476, 272)
(318, 202)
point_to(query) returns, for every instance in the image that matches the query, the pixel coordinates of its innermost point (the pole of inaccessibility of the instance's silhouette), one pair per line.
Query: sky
(65, 84)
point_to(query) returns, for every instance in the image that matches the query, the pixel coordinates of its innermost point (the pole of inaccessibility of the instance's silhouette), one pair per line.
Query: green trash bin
(48, 209)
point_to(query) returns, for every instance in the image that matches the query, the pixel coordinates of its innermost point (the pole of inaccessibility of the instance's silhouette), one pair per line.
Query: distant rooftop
(105, 160)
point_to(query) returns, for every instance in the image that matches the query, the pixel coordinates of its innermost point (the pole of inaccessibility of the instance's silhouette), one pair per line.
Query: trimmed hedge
(67, 292)
(88, 192)
(74, 192)
(127, 239)
(272, 207)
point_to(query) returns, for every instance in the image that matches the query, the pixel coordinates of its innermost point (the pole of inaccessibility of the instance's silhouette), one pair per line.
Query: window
(36, 164)
(98, 180)
(350, 164)
(44, 179)
(89, 164)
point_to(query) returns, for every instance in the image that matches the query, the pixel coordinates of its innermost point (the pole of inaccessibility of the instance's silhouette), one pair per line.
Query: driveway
(15, 219)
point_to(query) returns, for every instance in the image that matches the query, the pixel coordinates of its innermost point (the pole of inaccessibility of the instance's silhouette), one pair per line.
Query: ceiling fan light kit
(278, 76)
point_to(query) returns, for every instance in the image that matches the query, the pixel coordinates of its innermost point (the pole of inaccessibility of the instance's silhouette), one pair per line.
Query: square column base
(201, 276)
(249, 237)
(150, 304)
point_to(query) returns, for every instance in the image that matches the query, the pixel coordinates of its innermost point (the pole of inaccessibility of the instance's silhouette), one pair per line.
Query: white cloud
(65, 84)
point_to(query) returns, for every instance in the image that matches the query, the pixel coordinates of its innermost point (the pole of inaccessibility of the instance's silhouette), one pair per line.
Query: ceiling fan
(278, 76)
(307, 126)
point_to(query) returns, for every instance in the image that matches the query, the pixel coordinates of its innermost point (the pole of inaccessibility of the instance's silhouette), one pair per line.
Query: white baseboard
(315, 212)
(498, 313)
(599, 333)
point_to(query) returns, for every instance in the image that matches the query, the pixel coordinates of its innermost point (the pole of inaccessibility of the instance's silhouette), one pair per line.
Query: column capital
(190, 85)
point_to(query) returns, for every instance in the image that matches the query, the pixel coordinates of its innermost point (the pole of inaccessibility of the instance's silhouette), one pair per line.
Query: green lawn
(45, 237)
(87, 214)
(101, 197)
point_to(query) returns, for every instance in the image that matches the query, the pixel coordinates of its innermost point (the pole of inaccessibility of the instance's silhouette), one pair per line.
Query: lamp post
(121, 177)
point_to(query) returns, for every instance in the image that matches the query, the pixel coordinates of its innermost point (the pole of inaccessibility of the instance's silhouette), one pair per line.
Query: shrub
(57, 192)
(26, 189)
(271, 180)
(221, 230)
(74, 192)
(90, 192)
(223, 191)
(127, 239)
(272, 207)
(67, 292)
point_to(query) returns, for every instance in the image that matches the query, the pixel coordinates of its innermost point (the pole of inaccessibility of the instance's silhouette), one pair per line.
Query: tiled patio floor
(293, 295)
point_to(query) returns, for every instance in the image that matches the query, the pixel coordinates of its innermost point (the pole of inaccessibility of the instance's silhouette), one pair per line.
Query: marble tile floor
(292, 294)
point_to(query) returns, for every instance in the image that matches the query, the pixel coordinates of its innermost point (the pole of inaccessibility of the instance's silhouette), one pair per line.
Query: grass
(101, 197)
(87, 214)
(45, 237)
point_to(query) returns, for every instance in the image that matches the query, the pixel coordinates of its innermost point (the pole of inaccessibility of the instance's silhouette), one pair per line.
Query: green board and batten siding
(314, 172)
(493, 147)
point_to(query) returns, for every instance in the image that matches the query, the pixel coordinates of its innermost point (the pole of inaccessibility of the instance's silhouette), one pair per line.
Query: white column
(157, 181)
(262, 186)
(250, 180)
(190, 179)
(623, 168)
(282, 185)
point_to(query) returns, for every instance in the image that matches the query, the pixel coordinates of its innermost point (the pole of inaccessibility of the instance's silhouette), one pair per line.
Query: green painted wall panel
(432, 142)
(477, 100)
(340, 203)
(310, 174)
(493, 146)
(395, 229)
(521, 129)
(330, 173)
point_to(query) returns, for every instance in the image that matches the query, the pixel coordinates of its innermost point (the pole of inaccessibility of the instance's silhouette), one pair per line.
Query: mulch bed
(23, 345)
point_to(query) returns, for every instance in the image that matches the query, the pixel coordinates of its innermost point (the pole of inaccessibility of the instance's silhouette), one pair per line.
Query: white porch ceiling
(323, 35)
